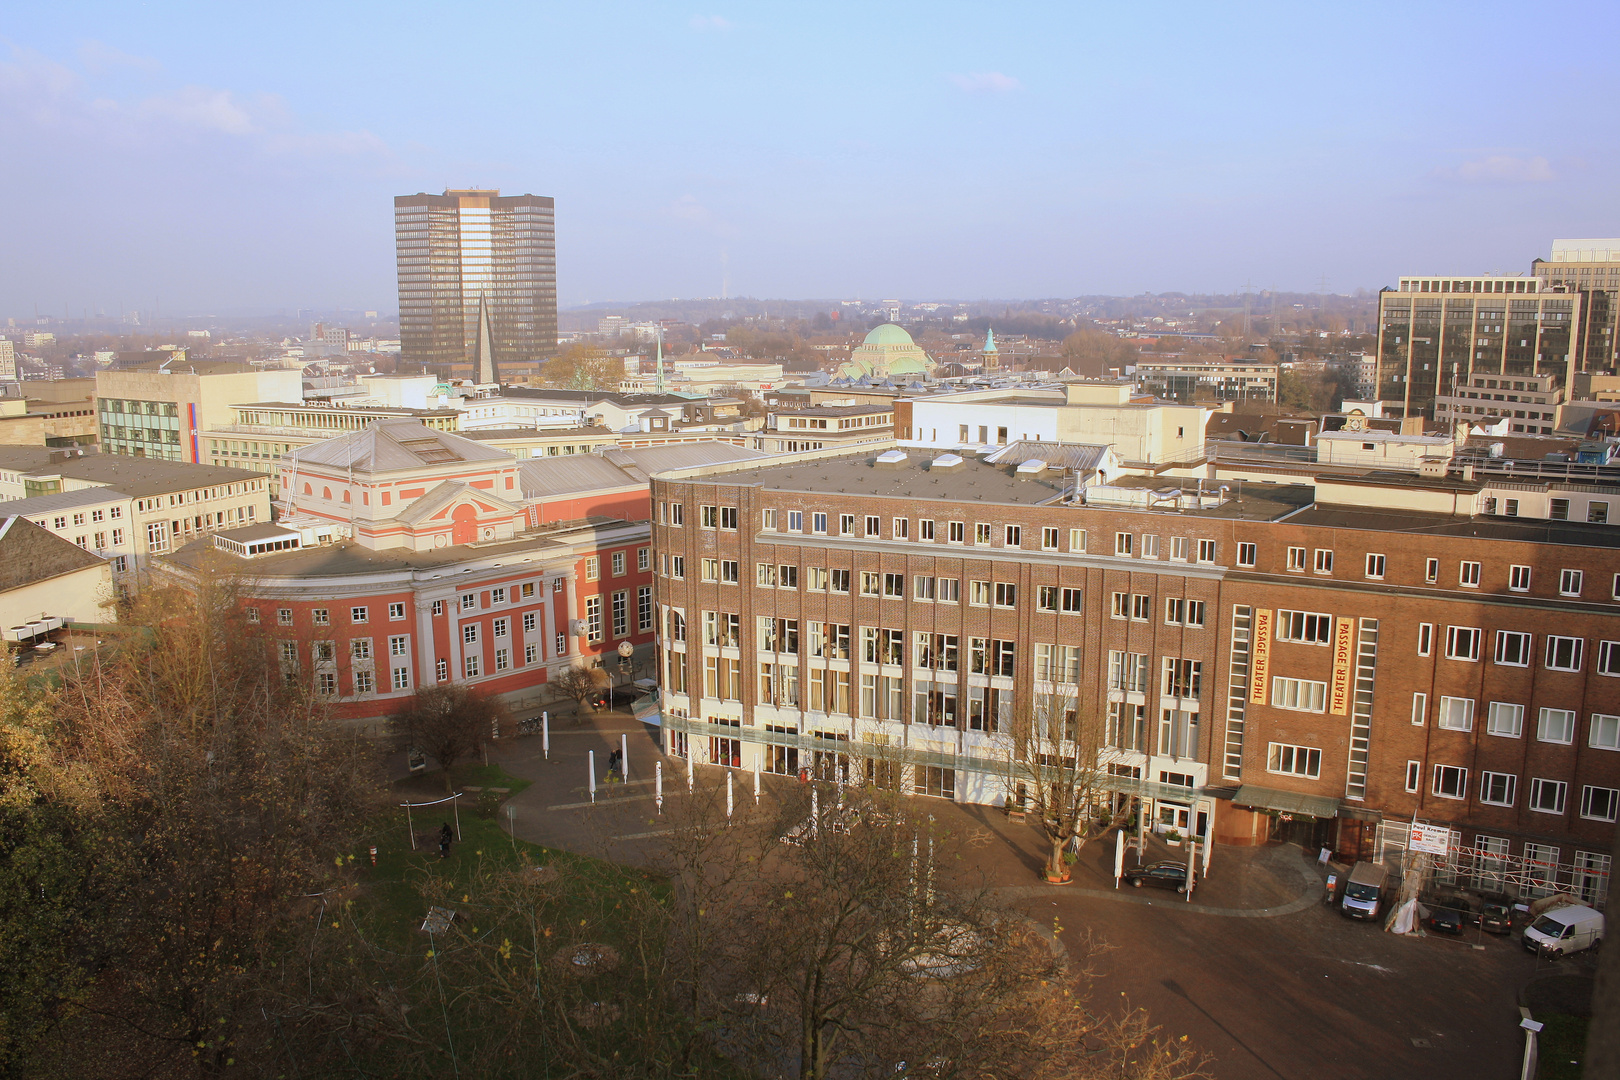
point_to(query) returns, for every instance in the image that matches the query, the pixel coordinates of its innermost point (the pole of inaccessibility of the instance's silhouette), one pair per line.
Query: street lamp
(626, 651)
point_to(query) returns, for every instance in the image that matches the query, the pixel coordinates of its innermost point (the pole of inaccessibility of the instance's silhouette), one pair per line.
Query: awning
(1289, 802)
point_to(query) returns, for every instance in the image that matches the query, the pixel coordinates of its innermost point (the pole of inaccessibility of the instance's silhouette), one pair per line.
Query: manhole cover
(1423, 1044)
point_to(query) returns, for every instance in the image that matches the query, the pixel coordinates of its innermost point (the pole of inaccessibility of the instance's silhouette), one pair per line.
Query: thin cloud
(97, 57)
(1501, 169)
(710, 22)
(987, 82)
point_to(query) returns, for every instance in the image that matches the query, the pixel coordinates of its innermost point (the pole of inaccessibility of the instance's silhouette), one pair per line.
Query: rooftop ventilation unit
(892, 457)
(1030, 468)
(947, 461)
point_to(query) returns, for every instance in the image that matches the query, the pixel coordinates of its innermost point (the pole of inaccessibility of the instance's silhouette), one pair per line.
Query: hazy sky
(234, 157)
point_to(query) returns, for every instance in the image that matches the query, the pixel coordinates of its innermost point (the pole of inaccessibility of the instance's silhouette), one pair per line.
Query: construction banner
(1344, 658)
(1260, 665)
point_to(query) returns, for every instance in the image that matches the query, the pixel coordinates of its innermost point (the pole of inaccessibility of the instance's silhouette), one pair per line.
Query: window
(846, 524)
(1468, 574)
(438, 607)
(1597, 513)
(1057, 663)
(730, 571)
(618, 565)
(441, 670)
(677, 567)
(1178, 733)
(593, 618)
(1455, 714)
(1547, 796)
(1556, 726)
(818, 523)
(470, 666)
(1181, 677)
(1559, 510)
(358, 614)
(1046, 598)
(957, 532)
(1178, 548)
(497, 596)
(396, 612)
(979, 593)
(1608, 662)
(1414, 770)
(1128, 671)
(1206, 551)
(1049, 539)
(874, 525)
(1450, 782)
(1324, 560)
(1600, 803)
(469, 601)
(1569, 582)
(1462, 642)
(1420, 709)
(1300, 695)
(360, 648)
(838, 581)
(500, 627)
(787, 576)
(1605, 732)
(621, 613)
(1150, 546)
(1013, 536)
(528, 622)
(1512, 648)
(1564, 653)
(709, 516)
(1247, 554)
(1505, 719)
(1006, 594)
(1425, 638)
(363, 683)
(765, 575)
(1431, 571)
(1296, 558)
(1077, 540)
(503, 659)
(1122, 543)
(1498, 789)
(1312, 628)
(870, 583)
(925, 528)
(252, 614)
(643, 561)
(767, 520)
(326, 684)
(1294, 760)
(711, 569)
(949, 589)
(1375, 567)
(644, 609)
(320, 616)
(902, 528)
(1519, 578)
(922, 587)
(1069, 603)
(531, 653)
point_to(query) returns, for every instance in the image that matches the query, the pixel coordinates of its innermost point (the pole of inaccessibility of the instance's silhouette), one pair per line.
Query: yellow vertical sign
(1344, 654)
(1260, 651)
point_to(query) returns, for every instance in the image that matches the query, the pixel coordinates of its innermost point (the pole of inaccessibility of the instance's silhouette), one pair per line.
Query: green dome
(889, 334)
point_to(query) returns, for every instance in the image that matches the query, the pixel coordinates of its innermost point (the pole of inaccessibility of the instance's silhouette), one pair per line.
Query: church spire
(485, 370)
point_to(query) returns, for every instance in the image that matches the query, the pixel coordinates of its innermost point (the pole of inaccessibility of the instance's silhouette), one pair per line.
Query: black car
(1166, 875)
(1445, 921)
(1496, 917)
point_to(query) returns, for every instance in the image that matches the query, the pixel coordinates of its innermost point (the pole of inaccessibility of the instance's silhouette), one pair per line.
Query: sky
(234, 158)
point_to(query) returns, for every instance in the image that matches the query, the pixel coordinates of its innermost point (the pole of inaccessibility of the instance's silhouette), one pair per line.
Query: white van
(1363, 891)
(1565, 930)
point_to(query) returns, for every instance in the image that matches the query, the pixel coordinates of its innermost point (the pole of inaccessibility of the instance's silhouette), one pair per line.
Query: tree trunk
(1054, 863)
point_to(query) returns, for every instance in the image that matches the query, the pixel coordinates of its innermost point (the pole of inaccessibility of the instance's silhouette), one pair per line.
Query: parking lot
(1255, 969)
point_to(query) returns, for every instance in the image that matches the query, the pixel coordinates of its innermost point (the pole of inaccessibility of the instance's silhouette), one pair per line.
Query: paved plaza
(1254, 969)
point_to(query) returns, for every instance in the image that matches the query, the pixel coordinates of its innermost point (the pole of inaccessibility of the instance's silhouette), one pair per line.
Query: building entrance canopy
(1288, 802)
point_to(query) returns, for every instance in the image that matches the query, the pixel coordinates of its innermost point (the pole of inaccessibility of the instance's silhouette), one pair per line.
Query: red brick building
(1333, 657)
(409, 557)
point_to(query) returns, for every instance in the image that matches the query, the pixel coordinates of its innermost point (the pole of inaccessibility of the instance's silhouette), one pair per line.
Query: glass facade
(457, 249)
(140, 428)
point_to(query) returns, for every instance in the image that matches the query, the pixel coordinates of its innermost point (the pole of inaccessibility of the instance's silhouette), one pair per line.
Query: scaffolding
(1492, 870)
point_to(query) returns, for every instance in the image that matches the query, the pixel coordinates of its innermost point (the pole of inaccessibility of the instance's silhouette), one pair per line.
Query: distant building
(1187, 381)
(42, 576)
(160, 408)
(477, 279)
(816, 427)
(1436, 334)
(8, 360)
(1591, 268)
(887, 353)
(1533, 403)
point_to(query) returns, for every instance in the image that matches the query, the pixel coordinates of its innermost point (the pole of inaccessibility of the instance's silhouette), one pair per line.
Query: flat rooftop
(141, 477)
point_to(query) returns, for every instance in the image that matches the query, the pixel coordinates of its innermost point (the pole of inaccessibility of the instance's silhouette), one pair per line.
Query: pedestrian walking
(445, 836)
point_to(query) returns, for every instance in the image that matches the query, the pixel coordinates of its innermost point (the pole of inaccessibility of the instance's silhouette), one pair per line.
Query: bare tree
(450, 722)
(576, 683)
(1055, 756)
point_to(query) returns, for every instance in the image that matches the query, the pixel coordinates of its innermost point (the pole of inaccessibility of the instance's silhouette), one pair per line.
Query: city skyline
(1032, 151)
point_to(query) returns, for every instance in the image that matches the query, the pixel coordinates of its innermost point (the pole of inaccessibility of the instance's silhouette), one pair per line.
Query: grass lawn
(1563, 1046)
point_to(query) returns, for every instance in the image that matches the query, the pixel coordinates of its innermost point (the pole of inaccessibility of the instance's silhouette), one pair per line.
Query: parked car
(1496, 917)
(1445, 920)
(1166, 875)
(1565, 930)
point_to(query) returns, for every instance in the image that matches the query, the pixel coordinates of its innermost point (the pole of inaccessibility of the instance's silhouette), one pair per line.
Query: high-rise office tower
(1591, 268)
(1436, 335)
(477, 279)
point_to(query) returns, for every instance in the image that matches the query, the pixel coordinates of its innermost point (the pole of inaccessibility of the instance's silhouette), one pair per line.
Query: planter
(1172, 843)
(1064, 880)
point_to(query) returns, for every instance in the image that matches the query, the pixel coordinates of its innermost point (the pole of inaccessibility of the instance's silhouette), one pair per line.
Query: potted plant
(1173, 837)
